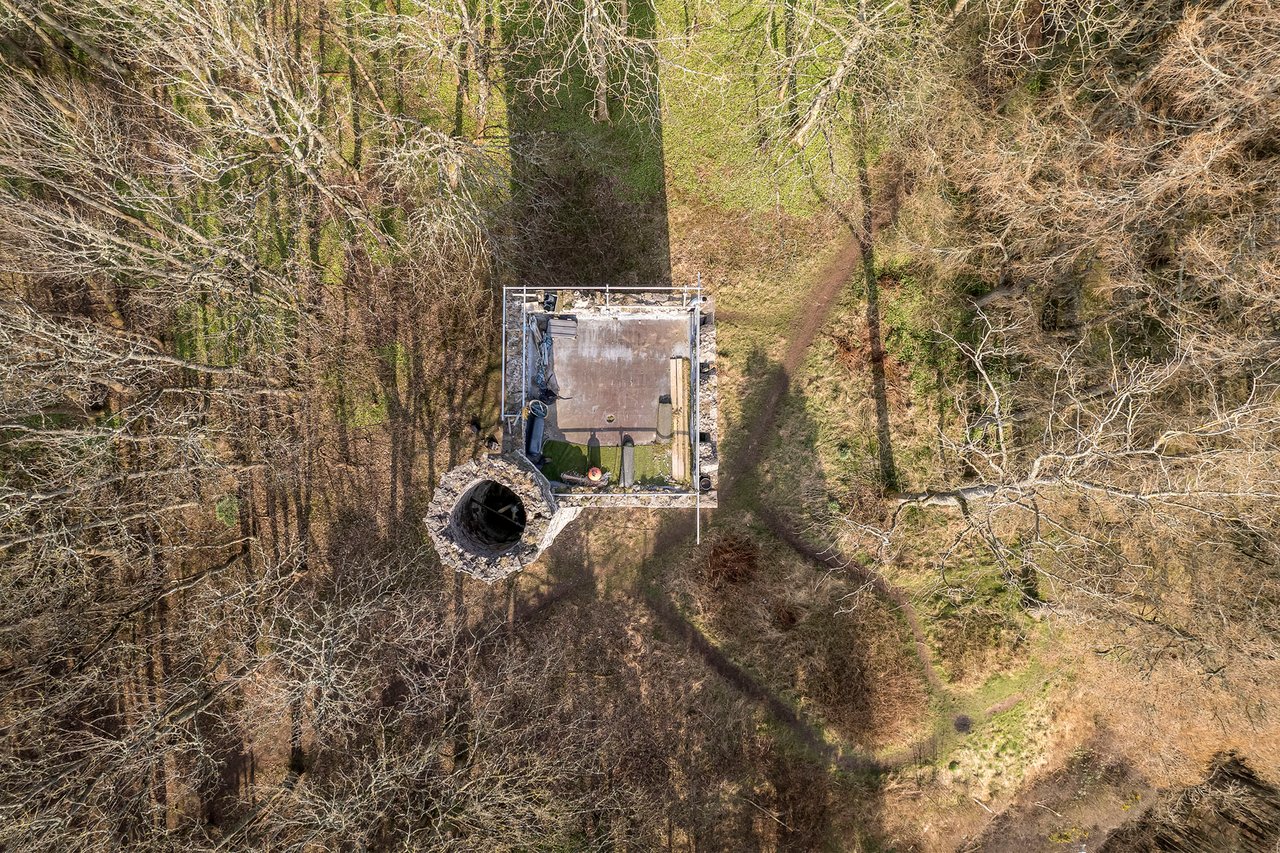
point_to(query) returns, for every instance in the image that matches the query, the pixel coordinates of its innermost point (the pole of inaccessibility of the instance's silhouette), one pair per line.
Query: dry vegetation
(1076, 281)
(1005, 573)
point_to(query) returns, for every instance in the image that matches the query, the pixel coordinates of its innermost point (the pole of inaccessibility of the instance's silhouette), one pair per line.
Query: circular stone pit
(490, 517)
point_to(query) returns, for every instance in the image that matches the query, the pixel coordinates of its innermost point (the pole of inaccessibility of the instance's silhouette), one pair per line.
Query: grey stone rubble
(708, 407)
(543, 517)
(639, 500)
(595, 299)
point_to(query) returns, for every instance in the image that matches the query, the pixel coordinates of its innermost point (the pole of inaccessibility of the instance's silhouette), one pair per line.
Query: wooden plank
(562, 327)
(674, 375)
(681, 452)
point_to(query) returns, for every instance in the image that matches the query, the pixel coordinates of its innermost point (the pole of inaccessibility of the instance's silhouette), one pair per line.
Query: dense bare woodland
(249, 258)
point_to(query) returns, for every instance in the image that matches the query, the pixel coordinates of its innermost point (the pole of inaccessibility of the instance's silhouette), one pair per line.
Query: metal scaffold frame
(690, 299)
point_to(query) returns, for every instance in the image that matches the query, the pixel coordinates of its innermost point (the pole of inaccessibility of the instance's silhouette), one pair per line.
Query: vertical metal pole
(504, 355)
(697, 414)
(524, 351)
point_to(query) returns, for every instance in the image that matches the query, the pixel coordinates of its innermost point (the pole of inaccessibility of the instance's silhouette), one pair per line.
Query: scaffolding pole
(524, 355)
(697, 414)
(504, 354)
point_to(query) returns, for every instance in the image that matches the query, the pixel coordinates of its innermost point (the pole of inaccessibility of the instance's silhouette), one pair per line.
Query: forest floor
(903, 719)
(656, 570)
(827, 667)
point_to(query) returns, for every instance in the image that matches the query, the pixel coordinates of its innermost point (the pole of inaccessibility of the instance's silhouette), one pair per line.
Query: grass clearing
(653, 461)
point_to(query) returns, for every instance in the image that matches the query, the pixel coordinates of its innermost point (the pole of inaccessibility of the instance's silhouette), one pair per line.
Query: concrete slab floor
(611, 375)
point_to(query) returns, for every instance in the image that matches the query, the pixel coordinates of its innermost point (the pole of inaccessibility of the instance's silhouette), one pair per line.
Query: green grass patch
(653, 462)
(358, 405)
(227, 509)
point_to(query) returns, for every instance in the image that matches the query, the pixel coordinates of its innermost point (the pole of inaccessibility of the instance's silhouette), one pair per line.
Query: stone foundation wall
(459, 551)
(709, 400)
(641, 500)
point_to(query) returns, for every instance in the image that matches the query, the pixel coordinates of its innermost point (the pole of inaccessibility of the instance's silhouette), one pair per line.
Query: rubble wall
(461, 552)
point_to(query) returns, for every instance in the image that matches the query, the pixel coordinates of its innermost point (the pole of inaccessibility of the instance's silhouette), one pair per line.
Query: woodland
(996, 565)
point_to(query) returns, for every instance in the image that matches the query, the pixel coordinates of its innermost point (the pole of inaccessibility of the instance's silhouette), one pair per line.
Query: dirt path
(823, 296)
(831, 281)
(756, 434)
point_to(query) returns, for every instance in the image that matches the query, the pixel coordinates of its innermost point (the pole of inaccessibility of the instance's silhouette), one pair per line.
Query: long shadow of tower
(587, 175)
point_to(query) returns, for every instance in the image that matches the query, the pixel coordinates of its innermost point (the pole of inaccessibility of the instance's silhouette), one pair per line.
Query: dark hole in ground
(963, 724)
(490, 516)
(785, 617)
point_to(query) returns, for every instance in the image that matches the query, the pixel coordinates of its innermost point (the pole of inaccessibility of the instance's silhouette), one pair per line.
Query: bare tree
(600, 45)
(1111, 443)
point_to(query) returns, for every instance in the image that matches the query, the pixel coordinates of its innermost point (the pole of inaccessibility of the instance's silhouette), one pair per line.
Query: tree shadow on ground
(871, 218)
(589, 195)
(795, 787)
(405, 398)
(693, 752)
(802, 489)
(884, 434)
(819, 787)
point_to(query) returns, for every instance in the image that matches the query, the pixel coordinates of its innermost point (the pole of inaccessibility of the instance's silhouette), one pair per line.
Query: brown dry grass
(776, 614)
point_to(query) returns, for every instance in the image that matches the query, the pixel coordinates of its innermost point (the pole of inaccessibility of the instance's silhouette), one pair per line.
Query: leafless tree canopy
(1114, 369)
(208, 245)
(248, 252)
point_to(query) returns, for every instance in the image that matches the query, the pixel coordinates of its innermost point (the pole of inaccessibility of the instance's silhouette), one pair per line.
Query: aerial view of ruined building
(621, 425)
(609, 399)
